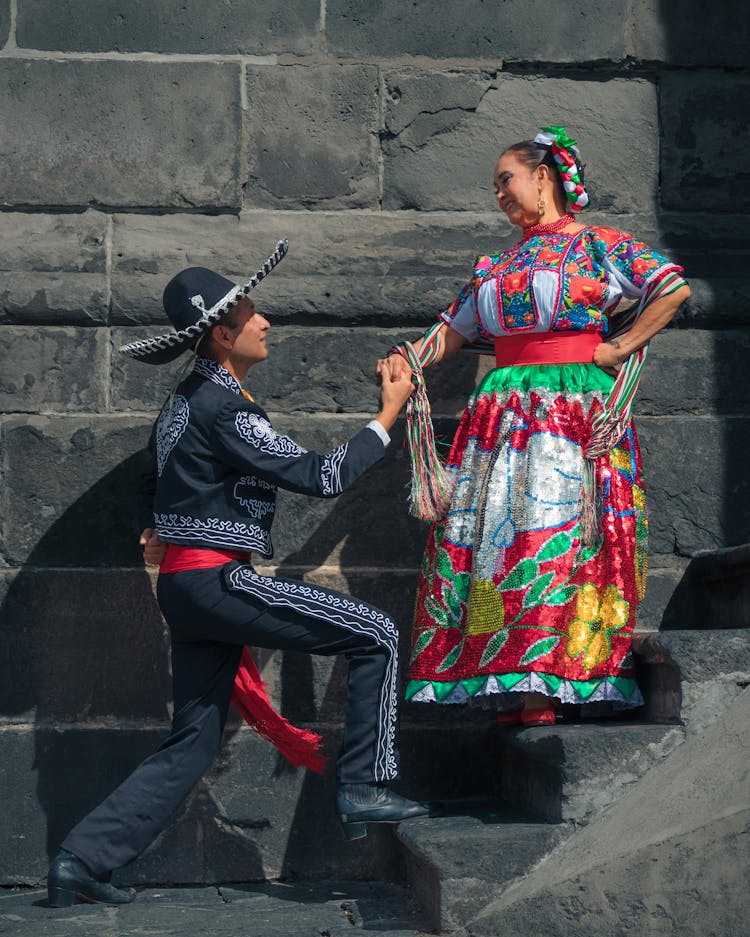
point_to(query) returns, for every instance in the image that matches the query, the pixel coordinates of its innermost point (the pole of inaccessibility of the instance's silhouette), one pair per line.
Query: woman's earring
(541, 205)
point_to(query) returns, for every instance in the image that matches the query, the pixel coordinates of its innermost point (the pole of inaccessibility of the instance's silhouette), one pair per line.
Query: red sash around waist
(545, 348)
(177, 558)
(299, 746)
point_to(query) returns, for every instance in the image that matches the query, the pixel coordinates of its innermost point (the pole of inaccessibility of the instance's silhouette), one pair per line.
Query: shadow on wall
(86, 651)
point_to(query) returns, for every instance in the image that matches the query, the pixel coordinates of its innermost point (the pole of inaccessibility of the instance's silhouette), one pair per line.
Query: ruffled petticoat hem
(622, 692)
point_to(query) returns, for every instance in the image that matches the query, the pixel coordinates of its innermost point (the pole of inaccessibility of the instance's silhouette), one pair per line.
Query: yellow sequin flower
(598, 614)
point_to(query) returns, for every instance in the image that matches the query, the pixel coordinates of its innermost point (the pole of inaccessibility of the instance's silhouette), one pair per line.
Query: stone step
(456, 863)
(570, 772)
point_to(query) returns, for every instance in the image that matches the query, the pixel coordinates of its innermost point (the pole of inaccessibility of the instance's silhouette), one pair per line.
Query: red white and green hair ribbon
(568, 160)
(430, 482)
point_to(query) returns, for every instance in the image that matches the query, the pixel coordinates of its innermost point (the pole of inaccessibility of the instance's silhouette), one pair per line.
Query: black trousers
(211, 615)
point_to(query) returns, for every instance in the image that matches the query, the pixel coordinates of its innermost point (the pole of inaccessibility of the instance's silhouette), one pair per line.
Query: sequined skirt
(508, 599)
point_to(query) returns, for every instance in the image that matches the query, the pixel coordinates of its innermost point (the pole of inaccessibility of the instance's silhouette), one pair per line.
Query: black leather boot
(360, 804)
(70, 880)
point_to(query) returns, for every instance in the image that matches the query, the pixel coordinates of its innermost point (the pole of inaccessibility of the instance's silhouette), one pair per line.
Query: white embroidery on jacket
(330, 470)
(214, 530)
(246, 487)
(218, 375)
(172, 423)
(259, 433)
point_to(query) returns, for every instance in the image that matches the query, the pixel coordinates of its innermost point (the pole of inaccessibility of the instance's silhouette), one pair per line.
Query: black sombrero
(194, 300)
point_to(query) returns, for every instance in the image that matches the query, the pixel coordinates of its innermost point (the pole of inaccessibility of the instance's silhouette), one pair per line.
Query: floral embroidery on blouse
(556, 282)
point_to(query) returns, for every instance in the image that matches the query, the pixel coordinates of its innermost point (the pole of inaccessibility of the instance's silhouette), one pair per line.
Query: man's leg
(301, 616)
(124, 824)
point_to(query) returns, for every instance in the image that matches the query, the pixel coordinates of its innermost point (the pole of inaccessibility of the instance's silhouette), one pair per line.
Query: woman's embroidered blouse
(556, 282)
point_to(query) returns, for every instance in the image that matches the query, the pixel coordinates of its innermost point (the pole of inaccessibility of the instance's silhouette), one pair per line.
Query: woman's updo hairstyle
(552, 147)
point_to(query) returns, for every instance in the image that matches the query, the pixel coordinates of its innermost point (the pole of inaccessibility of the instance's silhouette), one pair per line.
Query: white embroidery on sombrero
(149, 346)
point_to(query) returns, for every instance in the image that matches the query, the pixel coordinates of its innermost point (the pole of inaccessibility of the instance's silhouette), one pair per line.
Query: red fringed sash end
(300, 747)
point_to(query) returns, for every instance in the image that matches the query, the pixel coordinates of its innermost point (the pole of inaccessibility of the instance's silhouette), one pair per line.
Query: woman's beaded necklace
(552, 227)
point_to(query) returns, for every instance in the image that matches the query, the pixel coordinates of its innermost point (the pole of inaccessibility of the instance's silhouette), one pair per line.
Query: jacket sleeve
(246, 440)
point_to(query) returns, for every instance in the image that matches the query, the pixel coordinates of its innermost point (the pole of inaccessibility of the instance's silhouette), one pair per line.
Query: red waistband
(546, 348)
(177, 558)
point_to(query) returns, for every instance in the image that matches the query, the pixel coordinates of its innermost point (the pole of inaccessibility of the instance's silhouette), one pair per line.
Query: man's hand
(392, 368)
(153, 549)
(397, 390)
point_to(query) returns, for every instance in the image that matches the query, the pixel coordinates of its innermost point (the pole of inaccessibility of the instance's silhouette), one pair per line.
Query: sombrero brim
(165, 348)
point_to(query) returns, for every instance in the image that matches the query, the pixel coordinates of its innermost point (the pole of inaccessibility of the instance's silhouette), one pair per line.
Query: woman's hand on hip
(608, 356)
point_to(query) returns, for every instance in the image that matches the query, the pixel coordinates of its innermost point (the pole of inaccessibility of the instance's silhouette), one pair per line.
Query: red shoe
(539, 717)
(512, 718)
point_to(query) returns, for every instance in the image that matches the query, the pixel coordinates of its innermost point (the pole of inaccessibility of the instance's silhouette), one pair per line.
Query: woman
(531, 577)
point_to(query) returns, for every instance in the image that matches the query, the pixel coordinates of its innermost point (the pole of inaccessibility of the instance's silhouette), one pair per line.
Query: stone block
(120, 133)
(252, 817)
(77, 506)
(51, 778)
(455, 864)
(573, 32)
(356, 268)
(697, 485)
(713, 593)
(442, 156)
(695, 371)
(54, 268)
(312, 136)
(83, 646)
(4, 21)
(699, 34)
(317, 370)
(704, 139)
(572, 772)
(234, 27)
(660, 587)
(62, 369)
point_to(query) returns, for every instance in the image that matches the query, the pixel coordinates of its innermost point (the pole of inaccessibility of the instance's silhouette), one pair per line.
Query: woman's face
(517, 190)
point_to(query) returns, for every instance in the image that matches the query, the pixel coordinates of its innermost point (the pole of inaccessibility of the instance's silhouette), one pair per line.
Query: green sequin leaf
(435, 611)
(450, 659)
(522, 574)
(444, 565)
(561, 595)
(554, 547)
(534, 592)
(493, 648)
(452, 603)
(422, 641)
(461, 586)
(539, 649)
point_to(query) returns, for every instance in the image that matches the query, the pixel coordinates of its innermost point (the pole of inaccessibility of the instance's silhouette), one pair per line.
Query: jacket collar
(212, 371)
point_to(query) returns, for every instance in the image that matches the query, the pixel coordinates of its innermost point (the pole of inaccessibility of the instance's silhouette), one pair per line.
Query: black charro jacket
(218, 462)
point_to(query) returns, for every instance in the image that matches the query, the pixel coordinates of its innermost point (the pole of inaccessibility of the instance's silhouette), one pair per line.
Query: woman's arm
(395, 365)
(660, 312)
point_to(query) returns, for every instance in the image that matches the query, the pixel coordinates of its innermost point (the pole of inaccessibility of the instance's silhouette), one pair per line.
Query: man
(218, 463)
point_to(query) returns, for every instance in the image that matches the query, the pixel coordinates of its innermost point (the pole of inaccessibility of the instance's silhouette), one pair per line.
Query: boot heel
(355, 830)
(59, 897)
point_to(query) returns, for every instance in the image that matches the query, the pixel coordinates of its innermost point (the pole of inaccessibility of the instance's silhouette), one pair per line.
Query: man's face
(249, 334)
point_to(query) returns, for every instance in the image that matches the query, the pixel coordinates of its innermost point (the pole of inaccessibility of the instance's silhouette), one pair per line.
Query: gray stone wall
(137, 138)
